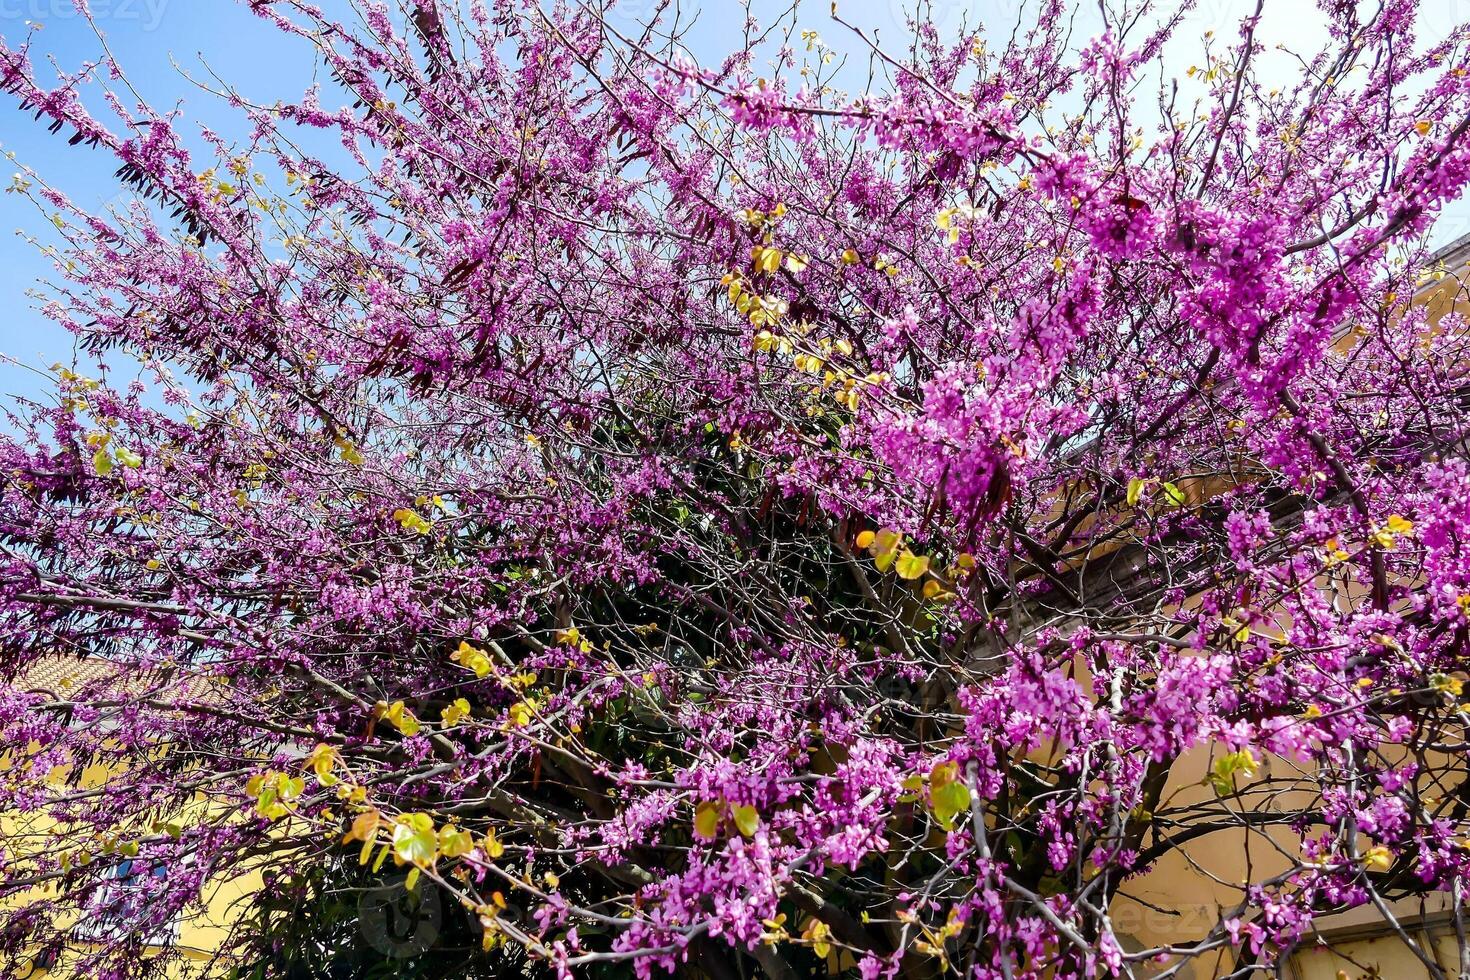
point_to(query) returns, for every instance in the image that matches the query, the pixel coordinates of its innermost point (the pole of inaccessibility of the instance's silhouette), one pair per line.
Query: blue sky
(145, 35)
(155, 39)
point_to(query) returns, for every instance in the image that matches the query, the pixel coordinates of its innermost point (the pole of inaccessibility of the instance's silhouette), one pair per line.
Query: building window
(120, 903)
(1378, 953)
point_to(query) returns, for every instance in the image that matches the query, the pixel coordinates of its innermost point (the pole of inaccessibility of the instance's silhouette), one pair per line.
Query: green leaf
(1227, 766)
(1173, 495)
(949, 801)
(414, 840)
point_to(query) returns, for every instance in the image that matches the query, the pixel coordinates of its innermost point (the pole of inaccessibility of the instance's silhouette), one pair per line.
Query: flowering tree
(690, 518)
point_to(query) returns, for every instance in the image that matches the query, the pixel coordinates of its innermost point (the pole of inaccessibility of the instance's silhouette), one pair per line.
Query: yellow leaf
(819, 934)
(402, 719)
(1423, 126)
(102, 462)
(366, 853)
(746, 820)
(322, 759)
(272, 789)
(492, 846)
(455, 712)
(454, 842)
(522, 713)
(1399, 525)
(911, 566)
(412, 521)
(886, 540)
(943, 773)
(472, 659)
(1447, 684)
(706, 820)
(352, 794)
(1135, 490)
(349, 452)
(865, 539)
(766, 259)
(796, 263)
(128, 458)
(1378, 858)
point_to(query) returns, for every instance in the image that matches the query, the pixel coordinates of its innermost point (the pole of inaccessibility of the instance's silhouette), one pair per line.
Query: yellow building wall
(1184, 895)
(201, 937)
